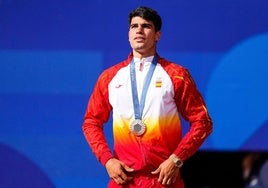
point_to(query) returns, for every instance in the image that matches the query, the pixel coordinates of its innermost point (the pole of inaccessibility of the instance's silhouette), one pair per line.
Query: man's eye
(146, 26)
(133, 26)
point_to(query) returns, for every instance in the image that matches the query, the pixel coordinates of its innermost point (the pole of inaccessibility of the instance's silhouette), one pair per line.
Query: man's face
(142, 36)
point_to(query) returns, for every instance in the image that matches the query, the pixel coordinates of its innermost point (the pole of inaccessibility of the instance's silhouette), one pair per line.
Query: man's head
(147, 14)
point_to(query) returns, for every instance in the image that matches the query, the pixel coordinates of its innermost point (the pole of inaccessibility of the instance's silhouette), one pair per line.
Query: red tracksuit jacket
(172, 94)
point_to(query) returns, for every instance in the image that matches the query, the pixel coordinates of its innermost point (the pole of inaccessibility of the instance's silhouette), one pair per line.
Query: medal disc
(137, 127)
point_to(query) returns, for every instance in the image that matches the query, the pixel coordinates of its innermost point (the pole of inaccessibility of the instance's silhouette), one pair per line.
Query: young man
(147, 94)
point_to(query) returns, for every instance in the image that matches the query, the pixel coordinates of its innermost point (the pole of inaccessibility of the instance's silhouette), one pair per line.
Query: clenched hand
(167, 171)
(117, 171)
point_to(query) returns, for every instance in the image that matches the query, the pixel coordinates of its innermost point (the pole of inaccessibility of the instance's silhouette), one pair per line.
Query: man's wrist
(177, 161)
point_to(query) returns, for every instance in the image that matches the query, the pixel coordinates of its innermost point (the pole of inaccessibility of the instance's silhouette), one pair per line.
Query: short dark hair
(148, 14)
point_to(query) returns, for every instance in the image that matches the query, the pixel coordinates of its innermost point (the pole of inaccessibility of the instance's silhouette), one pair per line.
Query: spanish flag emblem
(158, 82)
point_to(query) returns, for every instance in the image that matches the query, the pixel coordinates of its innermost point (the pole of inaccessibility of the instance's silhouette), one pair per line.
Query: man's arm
(97, 113)
(192, 107)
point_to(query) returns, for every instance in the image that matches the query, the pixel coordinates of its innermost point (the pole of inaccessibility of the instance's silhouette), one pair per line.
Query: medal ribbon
(138, 107)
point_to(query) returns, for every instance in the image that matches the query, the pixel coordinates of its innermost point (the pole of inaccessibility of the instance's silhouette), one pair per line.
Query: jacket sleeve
(97, 113)
(193, 109)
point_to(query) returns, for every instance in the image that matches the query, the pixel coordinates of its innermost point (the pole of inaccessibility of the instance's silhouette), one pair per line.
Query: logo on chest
(118, 86)
(158, 82)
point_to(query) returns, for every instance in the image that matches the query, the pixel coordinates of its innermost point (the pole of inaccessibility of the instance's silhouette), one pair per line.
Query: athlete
(147, 96)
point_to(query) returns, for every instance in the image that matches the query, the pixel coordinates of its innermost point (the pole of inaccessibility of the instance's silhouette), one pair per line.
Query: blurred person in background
(255, 170)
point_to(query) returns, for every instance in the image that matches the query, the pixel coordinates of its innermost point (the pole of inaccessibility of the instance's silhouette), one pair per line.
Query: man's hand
(117, 171)
(167, 171)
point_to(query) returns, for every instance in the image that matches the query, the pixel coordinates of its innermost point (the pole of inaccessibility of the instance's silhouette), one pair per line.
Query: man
(147, 94)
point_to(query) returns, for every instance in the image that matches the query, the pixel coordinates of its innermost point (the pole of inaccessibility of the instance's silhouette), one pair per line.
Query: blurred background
(52, 51)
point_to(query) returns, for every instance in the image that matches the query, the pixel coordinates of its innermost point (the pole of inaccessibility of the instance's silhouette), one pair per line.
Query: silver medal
(137, 127)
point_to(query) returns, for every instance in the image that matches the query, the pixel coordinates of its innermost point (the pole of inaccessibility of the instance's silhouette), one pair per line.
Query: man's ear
(158, 36)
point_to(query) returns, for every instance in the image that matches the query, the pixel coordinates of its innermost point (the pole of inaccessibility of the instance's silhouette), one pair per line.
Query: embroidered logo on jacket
(158, 82)
(119, 85)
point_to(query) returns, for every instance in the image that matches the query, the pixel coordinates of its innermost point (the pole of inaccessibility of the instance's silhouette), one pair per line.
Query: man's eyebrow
(146, 24)
(143, 24)
(133, 24)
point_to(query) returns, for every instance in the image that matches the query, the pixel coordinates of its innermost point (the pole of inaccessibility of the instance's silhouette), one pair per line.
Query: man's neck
(142, 55)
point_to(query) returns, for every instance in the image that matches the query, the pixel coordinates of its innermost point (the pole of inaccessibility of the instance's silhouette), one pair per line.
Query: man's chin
(139, 48)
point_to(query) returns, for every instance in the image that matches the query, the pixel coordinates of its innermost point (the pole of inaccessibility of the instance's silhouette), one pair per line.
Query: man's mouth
(139, 39)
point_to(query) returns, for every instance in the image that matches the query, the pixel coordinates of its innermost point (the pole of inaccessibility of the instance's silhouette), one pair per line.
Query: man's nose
(139, 29)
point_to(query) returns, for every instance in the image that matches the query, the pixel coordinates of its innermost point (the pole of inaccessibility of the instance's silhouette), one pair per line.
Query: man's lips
(139, 39)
